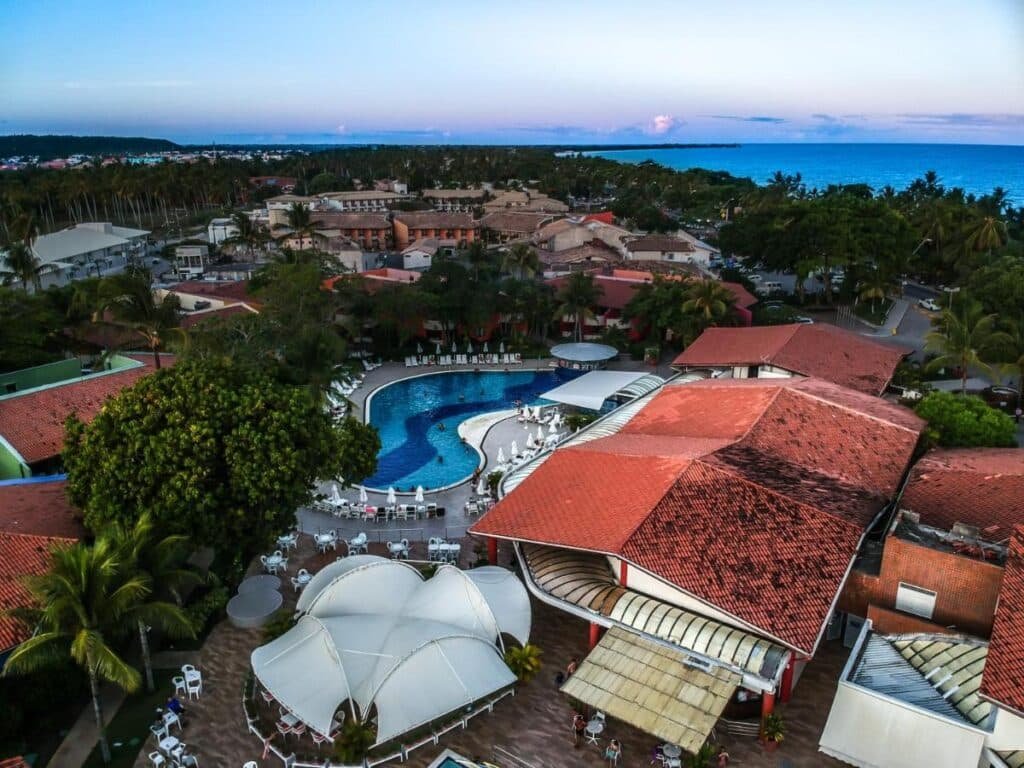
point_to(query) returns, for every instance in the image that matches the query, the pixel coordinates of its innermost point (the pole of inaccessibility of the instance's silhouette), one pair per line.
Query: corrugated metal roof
(585, 580)
(650, 686)
(938, 673)
(641, 386)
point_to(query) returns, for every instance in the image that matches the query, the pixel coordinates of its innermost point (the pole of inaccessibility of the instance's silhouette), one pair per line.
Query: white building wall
(872, 731)
(416, 260)
(1008, 733)
(220, 230)
(771, 372)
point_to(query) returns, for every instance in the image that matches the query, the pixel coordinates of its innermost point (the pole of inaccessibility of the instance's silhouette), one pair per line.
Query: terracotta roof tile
(750, 494)
(236, 290)
(21, 555)
(820, 350)
(194, 318)
(344, 220)
(983, 487)
(1003, 679)
(39, 508)
(436, 220)
(34, 422)
(660, 243)
(769, 560)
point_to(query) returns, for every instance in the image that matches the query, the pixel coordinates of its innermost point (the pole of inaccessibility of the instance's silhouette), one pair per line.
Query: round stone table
(252, 609)
(256, 583)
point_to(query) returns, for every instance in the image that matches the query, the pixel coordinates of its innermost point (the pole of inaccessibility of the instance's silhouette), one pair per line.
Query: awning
(661, 691)
(591, 389)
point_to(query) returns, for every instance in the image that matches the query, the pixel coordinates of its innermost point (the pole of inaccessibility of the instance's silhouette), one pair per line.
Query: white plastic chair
(159, 731)
(251, 764)
(171, 718)
(179, 684)
(157, 760)
(296, 584)
(194, 687)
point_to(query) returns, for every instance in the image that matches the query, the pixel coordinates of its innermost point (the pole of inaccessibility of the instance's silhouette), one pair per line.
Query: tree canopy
(965, 421)
(213, 449)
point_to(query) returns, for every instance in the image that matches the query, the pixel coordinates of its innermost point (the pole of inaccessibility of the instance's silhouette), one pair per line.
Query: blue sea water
(407, 414)
(975, 168)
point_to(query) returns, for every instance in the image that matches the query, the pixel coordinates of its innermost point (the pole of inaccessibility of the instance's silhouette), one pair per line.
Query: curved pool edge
(482, 463)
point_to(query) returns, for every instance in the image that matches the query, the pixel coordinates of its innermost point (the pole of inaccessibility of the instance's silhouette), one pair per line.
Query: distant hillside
(48, 147)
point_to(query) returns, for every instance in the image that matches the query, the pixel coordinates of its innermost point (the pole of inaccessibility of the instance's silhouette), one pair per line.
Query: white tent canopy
(591, 389)
(377, 635)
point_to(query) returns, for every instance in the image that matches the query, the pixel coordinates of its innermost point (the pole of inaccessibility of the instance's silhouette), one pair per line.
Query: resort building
(195, 295)
(703, 253)
(705, 522)
(420, 255)
(940, 566)
(524, 200)
(361, 201)
(191, 261)
(278, 207)
(573, 232)
(391, 185)
(618, 286)
(219, 230)
(457, 227)
(774, 351)
(371, 230)
(454, 199)
(662, 248)
(506, 226)
(89, 244)
(590, 256)
(37, 401)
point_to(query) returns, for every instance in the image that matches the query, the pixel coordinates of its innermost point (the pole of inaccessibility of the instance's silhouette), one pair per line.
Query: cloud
(750, 118)
(970, 119)
(341, 129)
(554, 130)
(662, 124)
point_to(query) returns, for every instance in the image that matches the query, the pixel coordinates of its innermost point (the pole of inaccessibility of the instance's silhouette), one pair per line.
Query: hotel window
(911, 599)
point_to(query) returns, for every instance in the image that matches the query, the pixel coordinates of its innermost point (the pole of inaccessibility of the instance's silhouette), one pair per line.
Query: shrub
(207, 607)
(277, 626)
(353, 742)
(524, 661)
(774, 728)
(965, 421)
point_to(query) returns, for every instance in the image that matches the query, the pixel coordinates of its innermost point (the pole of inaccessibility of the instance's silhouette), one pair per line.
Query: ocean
(975, 168)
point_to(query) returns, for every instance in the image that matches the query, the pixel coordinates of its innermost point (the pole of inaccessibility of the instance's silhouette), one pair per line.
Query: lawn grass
(130, 726)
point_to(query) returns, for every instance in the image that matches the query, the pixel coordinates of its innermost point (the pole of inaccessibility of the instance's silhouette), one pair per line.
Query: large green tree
(577, 299)
(965, 421)
(965, 338)
(127, 300)
(212, 449)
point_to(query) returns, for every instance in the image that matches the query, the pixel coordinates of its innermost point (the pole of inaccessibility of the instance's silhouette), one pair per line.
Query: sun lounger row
(414, 361)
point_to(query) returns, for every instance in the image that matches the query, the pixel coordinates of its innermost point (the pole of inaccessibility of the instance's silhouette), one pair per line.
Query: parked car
(804, 319)
(906, 394)
(929, 304)
(1002, 397)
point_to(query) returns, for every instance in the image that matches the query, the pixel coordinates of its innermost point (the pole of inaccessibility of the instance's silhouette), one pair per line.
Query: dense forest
(50, 146)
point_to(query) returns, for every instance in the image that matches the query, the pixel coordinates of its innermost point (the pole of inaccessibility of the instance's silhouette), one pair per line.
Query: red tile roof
(818, 350)
(194, 318)
(21, 555)
(14, 762)
(1003, 679)
(237, 290)
(618, 288)
(39, 508)
(983, 487)
(33, 423)
(750, 494)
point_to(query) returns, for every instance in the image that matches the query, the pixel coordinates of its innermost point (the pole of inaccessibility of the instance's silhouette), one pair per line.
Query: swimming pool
(407, 414)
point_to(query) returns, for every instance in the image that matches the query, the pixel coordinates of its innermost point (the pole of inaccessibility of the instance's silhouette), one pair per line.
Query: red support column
(595, 636)
(767, 707)
(623, 572)
(786, 686)
(492, 551)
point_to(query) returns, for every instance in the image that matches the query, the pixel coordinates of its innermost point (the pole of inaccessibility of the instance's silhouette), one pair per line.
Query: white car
(930, 304)
(803, 320)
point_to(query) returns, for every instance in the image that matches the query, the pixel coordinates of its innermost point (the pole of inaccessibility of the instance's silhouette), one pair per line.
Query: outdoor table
(397, 548)
(594, 729)
(304, 578)
(287, 541)
(274, 562)
(450, 552)
(672, 751)
(168, 744)
(325, 540)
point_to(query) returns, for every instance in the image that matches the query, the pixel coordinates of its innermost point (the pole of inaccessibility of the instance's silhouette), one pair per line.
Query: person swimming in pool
(441, 427)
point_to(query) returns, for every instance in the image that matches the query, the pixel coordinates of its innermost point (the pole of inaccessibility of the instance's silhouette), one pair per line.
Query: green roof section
(62, 372)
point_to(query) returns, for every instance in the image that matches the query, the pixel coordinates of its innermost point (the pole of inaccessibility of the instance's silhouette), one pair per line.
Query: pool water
(407, 414)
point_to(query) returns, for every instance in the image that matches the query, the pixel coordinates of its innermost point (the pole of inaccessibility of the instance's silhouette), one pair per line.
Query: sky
(526, 72)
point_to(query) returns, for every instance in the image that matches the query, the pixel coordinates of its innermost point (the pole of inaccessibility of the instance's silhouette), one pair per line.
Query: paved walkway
(83, 736)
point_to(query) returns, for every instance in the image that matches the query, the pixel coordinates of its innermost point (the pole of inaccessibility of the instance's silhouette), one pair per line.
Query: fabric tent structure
(373, 633)
(591, 389)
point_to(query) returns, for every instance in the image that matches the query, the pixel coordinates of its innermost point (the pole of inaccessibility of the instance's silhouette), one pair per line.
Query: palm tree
(986, 233)
(521, 260)
(129, 299)
(709, 300)
(874, 286)
(963, 340)
(159, 561)
(20, 263)
(247, 234)
(577, 298)
(1012, 344)
(300, 222)
(82, 601)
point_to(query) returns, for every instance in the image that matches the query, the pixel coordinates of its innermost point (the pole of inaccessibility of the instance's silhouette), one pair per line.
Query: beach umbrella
(481, 486)
(455, 350)
(536, 412)
(530, 442)
(419, 494)
(501, 348)
(540, 434)
(552, 429)
(469, 347)
(501, 455)
(419, 348)
(556, 420)
(437, 348)
(486, 351)
(363, 498)
(515, 448)
(392, 499)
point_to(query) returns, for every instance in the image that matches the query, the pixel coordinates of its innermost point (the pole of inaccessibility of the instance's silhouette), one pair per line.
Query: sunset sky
(523, 72)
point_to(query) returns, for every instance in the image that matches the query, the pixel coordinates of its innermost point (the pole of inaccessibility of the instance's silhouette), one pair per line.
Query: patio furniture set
(171, 751)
